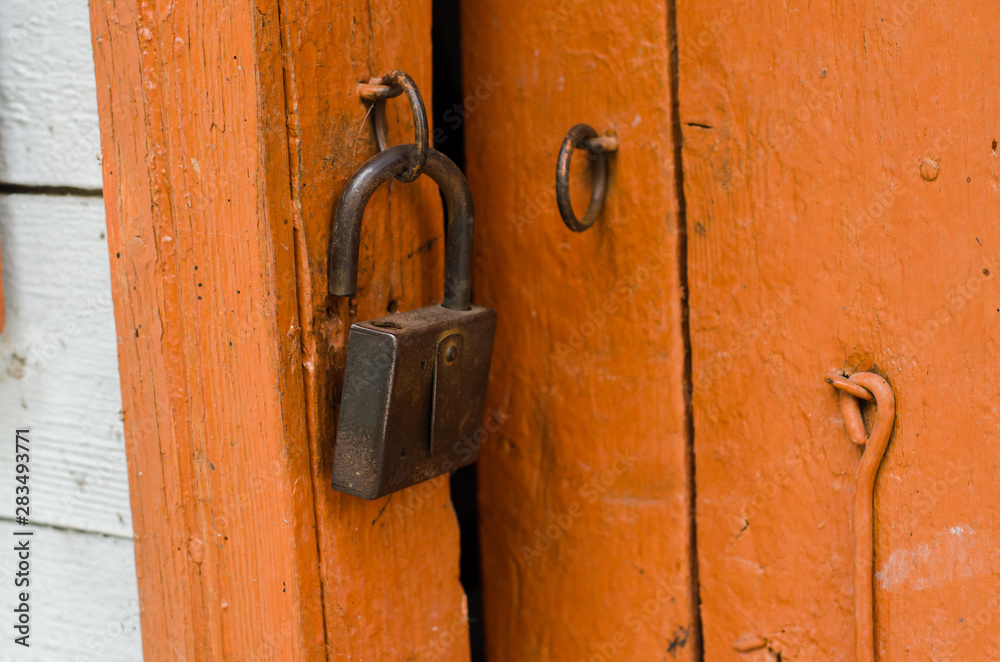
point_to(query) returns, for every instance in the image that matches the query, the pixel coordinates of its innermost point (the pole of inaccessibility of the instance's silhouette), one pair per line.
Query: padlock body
(413, 399)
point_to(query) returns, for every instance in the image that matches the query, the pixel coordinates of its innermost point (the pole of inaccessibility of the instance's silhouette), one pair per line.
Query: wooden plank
(203, 276)
(250, 208)
(3, 307)
(389, 567)
(58, 361)
(822, 237)
(49, 132)
(83, 596)
(585, 501)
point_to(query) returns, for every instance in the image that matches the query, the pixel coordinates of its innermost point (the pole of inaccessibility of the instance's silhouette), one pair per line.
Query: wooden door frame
(227, 133)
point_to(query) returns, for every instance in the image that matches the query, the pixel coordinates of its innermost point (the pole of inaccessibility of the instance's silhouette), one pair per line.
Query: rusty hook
(875, 443)
(392, 84)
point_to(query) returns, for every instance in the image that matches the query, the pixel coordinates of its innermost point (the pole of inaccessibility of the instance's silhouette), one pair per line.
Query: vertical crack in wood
(303, 282)
(682, 270)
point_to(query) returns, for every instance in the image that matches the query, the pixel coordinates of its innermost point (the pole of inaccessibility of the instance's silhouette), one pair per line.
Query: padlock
(414, 382)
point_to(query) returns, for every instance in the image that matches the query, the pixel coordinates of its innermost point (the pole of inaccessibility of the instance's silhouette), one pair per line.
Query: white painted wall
(58, 355)
(48, 105)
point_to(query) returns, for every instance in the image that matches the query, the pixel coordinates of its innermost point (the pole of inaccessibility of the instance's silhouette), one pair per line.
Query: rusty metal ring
(392, 85)
(583, 136)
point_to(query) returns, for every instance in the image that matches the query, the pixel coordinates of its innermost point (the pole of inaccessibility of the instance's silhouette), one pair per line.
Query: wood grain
(840, 173)
(203, 276)
(228, 137)
(585, 502)
(390, 566)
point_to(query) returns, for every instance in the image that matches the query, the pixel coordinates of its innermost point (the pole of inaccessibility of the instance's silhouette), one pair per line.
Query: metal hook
(394, 83)
(875, 443)
(583, 136)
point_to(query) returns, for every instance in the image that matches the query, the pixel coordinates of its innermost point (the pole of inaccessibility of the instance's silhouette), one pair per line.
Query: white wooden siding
(49, 133)
(59, 364)
(83, 598)
(58, 354)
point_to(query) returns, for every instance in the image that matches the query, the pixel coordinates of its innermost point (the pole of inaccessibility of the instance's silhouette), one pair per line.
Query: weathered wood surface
(49, 131)
(58, 356)
(228, 135)
(59, 365)
(390, 566)
(840, 166)
(585, 501)
(203, 276)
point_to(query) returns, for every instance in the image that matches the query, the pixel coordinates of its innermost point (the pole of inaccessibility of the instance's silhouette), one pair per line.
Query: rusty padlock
(415, 382)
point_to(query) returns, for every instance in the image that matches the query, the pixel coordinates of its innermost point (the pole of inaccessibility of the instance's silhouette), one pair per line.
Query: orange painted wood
(227, 134)
(585, 502)
(203, 277)
(840, 170)
(389, 567)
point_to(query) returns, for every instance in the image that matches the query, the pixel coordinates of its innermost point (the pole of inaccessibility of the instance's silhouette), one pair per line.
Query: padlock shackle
(346, 236)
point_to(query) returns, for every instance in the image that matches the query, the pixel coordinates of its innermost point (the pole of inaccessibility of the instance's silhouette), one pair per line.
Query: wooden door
(665, 475)
(840, 168)
(228, 131)
(585, 497)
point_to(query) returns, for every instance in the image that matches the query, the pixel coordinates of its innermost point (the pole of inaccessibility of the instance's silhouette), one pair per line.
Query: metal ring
(392, 85)
(583, 136)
